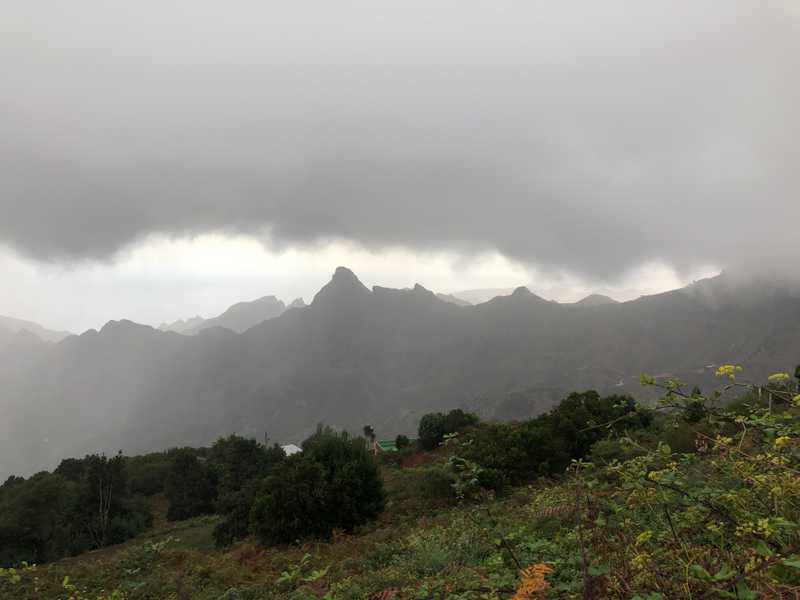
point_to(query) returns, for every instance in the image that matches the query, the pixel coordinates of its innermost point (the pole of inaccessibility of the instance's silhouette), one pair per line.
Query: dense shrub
(291, 503)
(333, 484)
(189, 487)
(514, 453)
(238, 464)
(147, 473)
(85, 504)
(434, 426)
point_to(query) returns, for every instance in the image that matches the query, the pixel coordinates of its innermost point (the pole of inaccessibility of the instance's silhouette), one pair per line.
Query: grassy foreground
(414, 551)
(704, 505)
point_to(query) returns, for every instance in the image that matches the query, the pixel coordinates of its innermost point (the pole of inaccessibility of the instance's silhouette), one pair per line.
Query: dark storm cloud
(583, 136)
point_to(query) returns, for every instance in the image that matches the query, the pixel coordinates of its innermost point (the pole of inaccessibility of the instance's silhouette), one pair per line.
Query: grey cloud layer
(573, 135)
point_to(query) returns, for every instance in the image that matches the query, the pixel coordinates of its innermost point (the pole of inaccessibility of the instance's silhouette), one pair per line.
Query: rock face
(381, 356)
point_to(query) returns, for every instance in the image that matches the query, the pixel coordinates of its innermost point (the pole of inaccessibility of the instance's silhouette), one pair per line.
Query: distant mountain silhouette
(453, 300)
(481, 296)
(381, 356)
(12, 325)
(182, 325)
(596, 300)
(239, 317)
(244, 315)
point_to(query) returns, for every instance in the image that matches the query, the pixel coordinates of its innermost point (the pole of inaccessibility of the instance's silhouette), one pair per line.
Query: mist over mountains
(10, 325)
(239, 317)
(381, 356)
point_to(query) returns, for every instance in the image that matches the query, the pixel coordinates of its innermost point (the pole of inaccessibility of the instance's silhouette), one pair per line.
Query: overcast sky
(162, 159)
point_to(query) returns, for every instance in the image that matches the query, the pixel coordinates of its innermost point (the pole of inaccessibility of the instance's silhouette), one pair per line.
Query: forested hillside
(600, 497)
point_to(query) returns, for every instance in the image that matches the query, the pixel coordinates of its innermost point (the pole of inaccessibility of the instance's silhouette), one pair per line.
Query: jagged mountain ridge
(380, 356)
(239, 317)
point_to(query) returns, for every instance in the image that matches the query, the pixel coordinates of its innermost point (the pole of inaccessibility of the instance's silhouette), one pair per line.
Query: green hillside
(693, 498)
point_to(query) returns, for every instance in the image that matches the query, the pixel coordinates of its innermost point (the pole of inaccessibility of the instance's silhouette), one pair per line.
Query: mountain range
(379, 356)
(10, 325)
(239, 318)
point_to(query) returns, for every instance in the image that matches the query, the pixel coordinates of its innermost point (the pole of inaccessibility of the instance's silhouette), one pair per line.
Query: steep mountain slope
(380, 356)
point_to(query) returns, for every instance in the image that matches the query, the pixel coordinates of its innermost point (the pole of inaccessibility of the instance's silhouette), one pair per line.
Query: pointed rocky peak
(596, 300)
(523, 292)
(423, 291)
(344, 276)
(343, 286)
(521, 297)
(297, 303)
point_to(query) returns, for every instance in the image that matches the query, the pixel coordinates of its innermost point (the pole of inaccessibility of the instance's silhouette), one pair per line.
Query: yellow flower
(728, 371)
(782, 441)
(643, 537)
(776, 377)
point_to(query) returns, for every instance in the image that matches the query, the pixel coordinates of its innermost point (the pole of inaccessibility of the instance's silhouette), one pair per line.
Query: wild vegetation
(694, 497)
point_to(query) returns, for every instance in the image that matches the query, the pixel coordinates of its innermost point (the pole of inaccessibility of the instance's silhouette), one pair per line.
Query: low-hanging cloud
(582, 136)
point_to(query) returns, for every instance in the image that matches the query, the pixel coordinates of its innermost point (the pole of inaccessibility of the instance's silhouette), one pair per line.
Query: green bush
(434, 426)
(84, 504)
(238, 465)
(515, 453)
(334, 483)
(189, 487)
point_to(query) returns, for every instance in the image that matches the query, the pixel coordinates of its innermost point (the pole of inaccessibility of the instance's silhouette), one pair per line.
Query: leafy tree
(34, 519)
(12, 481)
(402, 441)
(291, 503)
(434, 426)
(103, 489)
(334, 483)
(84, 504)
(71, 469)
(431, 430)
(147, 473)
(239, 464)
(458, 420)
(513, 453)
(189, 487)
